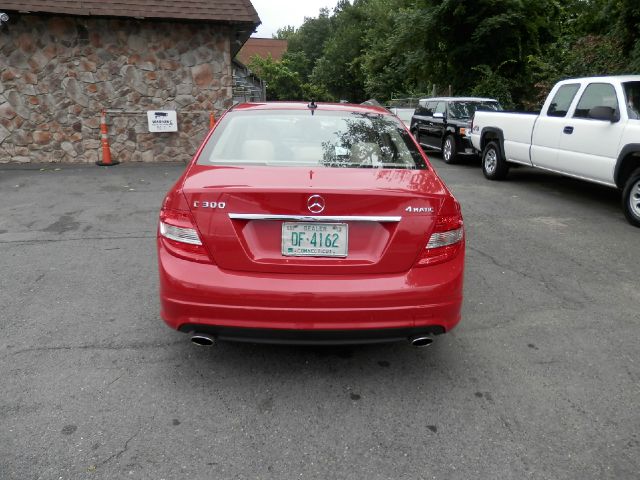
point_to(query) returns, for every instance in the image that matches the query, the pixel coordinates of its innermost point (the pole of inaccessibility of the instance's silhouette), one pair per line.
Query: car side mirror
(604, 113)
(438, 115)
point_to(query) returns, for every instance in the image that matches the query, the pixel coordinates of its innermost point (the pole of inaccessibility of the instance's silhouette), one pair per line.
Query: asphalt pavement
(541, 380)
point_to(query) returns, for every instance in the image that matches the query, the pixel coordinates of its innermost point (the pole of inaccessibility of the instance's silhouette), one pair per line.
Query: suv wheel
(494, 166)
(449, 150)
(631, 198)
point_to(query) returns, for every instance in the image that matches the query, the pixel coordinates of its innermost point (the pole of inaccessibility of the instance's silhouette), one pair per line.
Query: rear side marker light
(178, 234)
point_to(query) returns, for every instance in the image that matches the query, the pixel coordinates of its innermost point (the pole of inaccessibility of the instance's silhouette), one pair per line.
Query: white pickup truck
(589, 128)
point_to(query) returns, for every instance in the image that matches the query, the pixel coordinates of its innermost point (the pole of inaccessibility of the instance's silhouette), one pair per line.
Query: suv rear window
(466, 109)
(297, 138)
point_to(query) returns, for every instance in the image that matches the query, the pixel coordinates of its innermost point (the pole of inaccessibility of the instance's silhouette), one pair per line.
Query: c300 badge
(198, 204)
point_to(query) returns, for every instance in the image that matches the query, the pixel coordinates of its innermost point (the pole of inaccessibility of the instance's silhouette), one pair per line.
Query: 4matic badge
(419, 209)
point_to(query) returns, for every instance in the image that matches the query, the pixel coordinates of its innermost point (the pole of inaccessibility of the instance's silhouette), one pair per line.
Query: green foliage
(339, 69)
(283, 83)
(493, 85)
(595, 55)
(310, 39)
(285, 33)
(513, 50)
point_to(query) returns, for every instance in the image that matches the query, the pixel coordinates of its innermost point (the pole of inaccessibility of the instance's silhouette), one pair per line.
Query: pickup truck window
(440, 108)
(632, 98)
(596, 95)
(559, 106)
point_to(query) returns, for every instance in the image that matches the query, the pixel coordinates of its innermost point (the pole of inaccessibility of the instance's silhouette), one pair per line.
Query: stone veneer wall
(57, 73)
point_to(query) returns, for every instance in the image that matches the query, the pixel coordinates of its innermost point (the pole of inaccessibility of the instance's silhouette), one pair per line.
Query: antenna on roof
(312, 106)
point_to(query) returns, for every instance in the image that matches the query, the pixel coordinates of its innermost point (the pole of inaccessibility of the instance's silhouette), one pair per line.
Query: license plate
(301, 239)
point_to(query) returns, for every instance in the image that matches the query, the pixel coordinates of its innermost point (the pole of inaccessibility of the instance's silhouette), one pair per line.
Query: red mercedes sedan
(310, 224)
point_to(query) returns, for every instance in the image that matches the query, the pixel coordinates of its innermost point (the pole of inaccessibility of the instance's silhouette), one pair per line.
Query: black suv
(441, 123)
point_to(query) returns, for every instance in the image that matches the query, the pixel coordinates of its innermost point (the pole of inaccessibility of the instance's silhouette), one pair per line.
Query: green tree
(594, 38)
(284, 33)
(282, 82)
(309, 40)
(513, 50)
(384, 58)
(493, 85)
(339, 69)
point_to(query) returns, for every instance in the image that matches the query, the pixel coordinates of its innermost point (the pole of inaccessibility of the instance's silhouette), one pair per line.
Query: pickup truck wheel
(631, 198)
(449, 150)
(494, 166)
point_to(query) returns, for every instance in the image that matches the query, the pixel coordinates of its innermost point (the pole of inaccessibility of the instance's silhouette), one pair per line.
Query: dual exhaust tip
(421, 341)
(205, 340)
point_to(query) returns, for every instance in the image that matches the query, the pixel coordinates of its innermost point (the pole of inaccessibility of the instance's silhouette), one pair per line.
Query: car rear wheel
(449, 150)
(631, 198)
(494, 167)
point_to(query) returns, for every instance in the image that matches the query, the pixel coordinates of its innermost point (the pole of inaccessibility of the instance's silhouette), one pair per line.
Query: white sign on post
(162, 121)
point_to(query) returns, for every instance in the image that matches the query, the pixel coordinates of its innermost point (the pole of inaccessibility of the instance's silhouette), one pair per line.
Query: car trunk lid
(383, 216)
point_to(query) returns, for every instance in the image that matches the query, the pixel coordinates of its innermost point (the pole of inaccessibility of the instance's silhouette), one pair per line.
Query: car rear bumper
(237, 305)
(311, 337)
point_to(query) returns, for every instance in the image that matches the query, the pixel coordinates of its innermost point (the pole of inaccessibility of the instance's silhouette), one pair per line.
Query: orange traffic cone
(212, 120)
(106, 151)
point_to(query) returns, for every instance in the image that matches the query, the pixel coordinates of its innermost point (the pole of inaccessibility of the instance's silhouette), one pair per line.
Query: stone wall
(57, 73)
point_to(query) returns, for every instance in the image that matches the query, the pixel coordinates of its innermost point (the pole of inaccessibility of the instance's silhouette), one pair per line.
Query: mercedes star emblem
(315, 204)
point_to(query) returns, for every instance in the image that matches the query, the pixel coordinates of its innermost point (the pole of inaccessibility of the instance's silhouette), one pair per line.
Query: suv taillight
(180, 237)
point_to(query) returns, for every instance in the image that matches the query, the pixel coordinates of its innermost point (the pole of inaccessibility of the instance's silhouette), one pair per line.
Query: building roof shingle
(203, 10)
(263, 47)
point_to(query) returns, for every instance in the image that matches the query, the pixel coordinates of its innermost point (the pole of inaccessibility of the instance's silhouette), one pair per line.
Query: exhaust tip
(421, 341)
(203, 340)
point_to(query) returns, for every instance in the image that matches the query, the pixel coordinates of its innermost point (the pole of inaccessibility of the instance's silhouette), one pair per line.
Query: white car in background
(589, 128)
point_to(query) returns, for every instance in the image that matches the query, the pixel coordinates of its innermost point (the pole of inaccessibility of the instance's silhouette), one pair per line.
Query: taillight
(180, 237)
(445, 241)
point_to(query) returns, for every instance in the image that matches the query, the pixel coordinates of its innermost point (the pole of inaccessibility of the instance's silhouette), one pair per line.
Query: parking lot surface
(541, 379)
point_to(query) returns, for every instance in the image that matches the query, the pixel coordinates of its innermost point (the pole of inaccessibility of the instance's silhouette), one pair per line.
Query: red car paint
(238, 285)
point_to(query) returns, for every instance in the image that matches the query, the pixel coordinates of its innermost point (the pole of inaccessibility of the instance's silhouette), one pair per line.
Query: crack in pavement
(540, 280)
(123, 450)
(137, 346)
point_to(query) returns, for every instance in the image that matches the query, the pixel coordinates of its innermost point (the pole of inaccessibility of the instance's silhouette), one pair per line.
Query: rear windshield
(467, 109)
(325, 139)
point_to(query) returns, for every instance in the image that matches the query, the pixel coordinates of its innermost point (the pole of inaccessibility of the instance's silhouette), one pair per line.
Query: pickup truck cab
(588, 128)
(442, 123)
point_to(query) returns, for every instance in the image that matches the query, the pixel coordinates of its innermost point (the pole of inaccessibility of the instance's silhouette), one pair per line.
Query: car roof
(462, 99)
(337, 107)
(611, 78)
